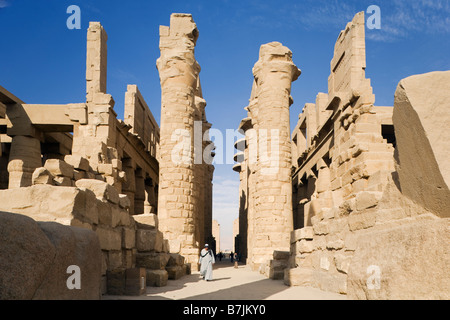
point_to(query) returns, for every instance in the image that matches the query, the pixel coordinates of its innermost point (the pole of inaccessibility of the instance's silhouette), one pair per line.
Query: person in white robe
(206, 263)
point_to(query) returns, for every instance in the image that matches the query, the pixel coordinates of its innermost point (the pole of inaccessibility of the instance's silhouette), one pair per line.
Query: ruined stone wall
(105, 179)
(362, 230)
(367, 186)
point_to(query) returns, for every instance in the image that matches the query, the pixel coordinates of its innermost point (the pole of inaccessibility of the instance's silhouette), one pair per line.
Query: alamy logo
(374, 21)
(264, 147)
(374, 280)
(74, 20)
(74, 281)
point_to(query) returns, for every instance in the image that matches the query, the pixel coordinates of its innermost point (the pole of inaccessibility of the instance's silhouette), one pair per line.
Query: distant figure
(220, 256)
(206, 263)
(231, 256)
(235, 260)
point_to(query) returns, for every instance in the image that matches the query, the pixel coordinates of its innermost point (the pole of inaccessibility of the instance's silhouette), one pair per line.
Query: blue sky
(42, 61)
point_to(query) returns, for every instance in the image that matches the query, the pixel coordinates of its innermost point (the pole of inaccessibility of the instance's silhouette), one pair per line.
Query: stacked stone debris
(153, 253)
(78, 165)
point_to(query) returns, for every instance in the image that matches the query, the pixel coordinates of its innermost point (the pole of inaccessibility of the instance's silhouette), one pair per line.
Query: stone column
(178, 72)
(150, 203)
(24, 158)
(274, 73)
(199, 167)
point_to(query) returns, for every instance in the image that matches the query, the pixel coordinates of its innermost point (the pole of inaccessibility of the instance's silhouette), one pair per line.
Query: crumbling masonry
(354, 200)
(77, 166)
(370, 205)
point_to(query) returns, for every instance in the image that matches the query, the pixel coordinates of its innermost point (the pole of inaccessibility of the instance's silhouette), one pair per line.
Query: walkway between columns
(230, 284)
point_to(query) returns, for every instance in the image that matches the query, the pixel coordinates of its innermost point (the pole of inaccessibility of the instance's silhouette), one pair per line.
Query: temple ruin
(354, 199)
(78, 165)
(367, 190)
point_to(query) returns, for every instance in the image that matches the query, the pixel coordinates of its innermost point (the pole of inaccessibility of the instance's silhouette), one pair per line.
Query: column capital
(275, 58)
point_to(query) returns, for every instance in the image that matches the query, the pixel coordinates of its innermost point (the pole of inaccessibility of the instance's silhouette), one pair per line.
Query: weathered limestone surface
(74, 246)
(34, 258)
(355, 207)
(25, 250)
(108, 170)
(412, 258)
(422, 128)
(25, 157)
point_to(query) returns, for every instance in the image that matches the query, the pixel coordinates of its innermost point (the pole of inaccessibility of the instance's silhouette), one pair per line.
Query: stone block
(146, 221)
(422, 127)
(45, 202)
(281, 255)
(116, 281)
(74, 247)
(62, 181)
(334, 243)
(365, 200)
(38, 256)
(363, 220)
(175, 260)
(306, 246)
(42, 176)
(59, 168)
(77, 112)
(188, 268)
(104, 213)
(105, 169)
(124, 201)
(78, 175)
(306, 233)
(128, 238)
(175, 272)
(103, 191)
(298, 277)
(276, 269)
(152, 260)
(115, 259)
(25, 250)
(157, 278)
(125, 219)
(149, 240)
(342, 262)
(403, 262)
(321, 228)
(77, 162)
(110, 239)
(135, 284)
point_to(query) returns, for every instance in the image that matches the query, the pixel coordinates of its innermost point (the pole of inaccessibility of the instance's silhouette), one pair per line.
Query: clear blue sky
(41, 61)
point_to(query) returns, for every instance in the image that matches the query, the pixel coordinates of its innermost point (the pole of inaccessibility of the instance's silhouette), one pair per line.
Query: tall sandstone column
(178, 72)
(273, 220)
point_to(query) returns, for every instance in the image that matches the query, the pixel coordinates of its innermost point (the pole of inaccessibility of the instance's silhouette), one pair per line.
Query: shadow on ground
(258, 290)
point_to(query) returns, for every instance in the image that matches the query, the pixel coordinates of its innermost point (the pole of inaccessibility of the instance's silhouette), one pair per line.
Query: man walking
(206, 263)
